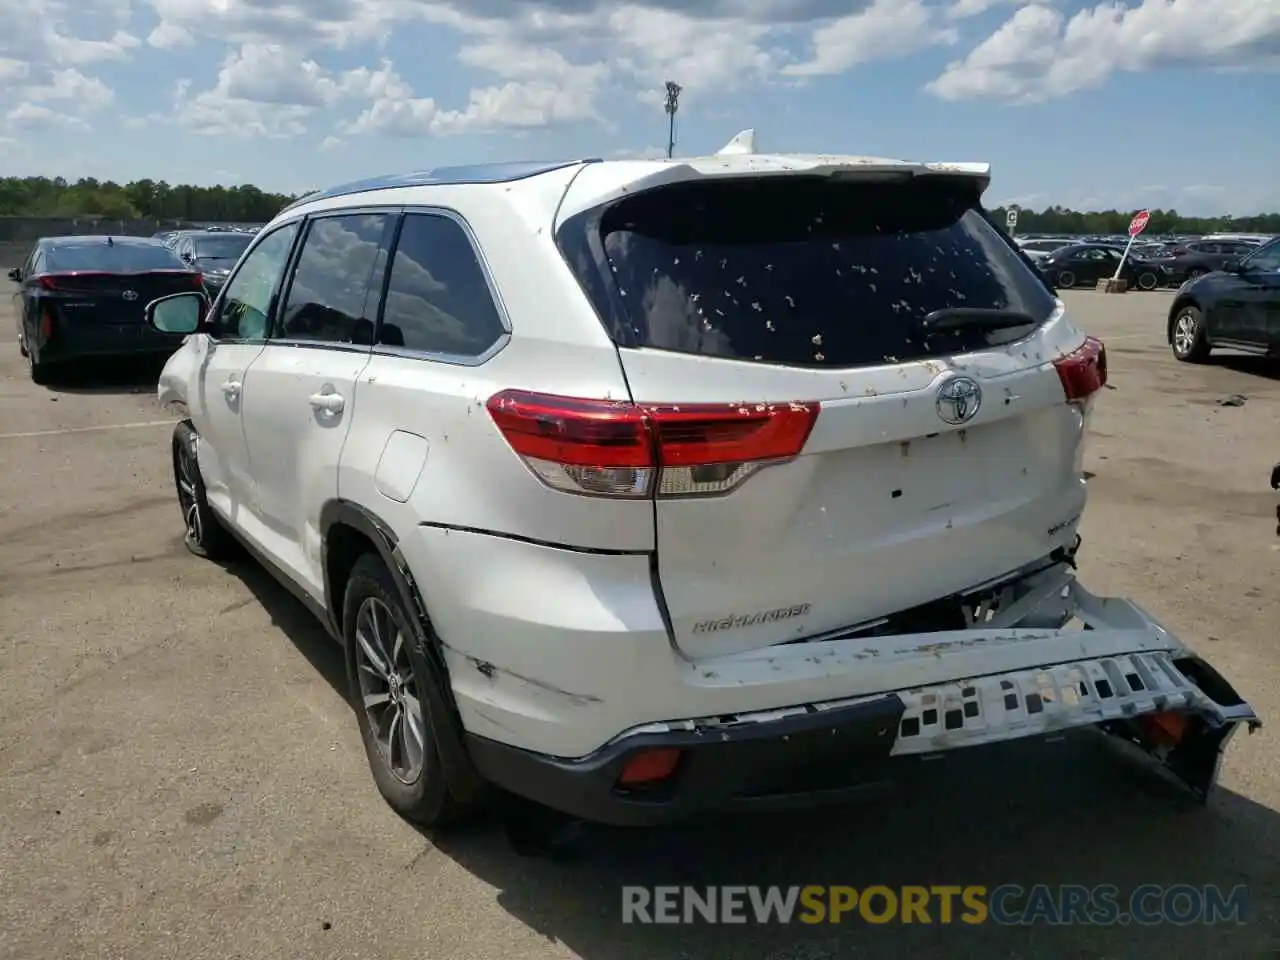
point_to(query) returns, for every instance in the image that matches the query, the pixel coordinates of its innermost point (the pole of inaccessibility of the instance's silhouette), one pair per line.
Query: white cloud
(886, 29)
(331, 143)
(84, 94)
(32, 116)
(170, 36)
(1039, 54)
(962, 9)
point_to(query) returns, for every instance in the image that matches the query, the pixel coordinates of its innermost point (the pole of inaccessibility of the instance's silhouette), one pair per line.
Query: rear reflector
(1083, 372)
(649, 767)
(621, 449)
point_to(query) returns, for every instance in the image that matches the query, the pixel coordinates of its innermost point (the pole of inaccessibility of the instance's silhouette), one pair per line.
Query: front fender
(179, 373)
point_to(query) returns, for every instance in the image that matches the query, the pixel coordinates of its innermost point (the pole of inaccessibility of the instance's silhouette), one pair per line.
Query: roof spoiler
(742, 143)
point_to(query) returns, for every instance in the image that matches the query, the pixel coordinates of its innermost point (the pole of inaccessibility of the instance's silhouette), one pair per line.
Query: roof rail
(505, 172)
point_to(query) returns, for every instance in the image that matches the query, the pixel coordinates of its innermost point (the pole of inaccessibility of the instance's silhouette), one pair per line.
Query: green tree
(141, 199)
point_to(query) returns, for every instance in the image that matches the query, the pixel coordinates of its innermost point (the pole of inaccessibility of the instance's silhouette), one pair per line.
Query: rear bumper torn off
(920, 695)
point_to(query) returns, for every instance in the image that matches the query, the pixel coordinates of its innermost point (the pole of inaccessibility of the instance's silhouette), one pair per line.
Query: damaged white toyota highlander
(643, 489)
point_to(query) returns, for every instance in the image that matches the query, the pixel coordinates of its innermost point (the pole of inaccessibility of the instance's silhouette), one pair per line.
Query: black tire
(205, 535)
(1065, 279)
(1190, 345)
(41, 373)
(1195, 273)
(1148, 280)
(426, 797)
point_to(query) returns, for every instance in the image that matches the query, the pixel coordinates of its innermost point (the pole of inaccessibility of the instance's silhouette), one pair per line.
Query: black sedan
(82, 297)
(212, 252)
(1084, 264)
(1237, 308)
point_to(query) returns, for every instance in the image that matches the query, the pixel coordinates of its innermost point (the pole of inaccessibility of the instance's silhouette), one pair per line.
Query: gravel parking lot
(181, 777)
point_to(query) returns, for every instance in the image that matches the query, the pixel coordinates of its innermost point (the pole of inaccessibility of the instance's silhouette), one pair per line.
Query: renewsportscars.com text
(1008, 904)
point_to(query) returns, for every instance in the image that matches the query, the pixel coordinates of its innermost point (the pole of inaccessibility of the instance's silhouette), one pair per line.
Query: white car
(646, 488)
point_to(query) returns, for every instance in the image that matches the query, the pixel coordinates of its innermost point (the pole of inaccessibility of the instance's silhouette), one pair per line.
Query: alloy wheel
(389, 690)
(187, 495)
(1184, 334)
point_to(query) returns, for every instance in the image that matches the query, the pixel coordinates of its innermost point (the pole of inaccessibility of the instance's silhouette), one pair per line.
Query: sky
(1121, 104)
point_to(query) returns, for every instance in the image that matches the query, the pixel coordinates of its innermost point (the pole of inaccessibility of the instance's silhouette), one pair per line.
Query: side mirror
(15, 275)
(178, 313)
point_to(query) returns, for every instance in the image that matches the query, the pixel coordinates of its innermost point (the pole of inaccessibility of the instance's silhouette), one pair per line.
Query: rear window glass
(112, 258)
(221, 248)
(810, 272)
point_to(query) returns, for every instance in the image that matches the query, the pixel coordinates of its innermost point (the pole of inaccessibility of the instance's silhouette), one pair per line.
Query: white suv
(646, 488)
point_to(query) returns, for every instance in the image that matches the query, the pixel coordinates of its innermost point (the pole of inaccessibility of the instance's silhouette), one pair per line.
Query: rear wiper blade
(974, 318)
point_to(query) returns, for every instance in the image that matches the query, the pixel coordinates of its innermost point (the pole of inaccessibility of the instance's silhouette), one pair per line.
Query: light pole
(671, 105)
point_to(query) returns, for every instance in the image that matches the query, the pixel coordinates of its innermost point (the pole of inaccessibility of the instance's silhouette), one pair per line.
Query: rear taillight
(619, 449)
(46, 324)
(1084, 371)
(59, 281)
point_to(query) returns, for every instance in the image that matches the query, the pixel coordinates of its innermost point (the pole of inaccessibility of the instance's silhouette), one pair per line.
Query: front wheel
(398, 699)
(205, 535)
(1189, 342)
(1148, 280)
(1066, 279)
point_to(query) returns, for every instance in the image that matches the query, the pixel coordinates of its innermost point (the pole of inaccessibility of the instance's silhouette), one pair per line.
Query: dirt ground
(180, 776)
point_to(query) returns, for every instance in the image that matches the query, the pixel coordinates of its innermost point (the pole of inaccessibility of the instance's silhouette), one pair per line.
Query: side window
(330, 287)
(247, 298)
(437, 298)
(1266, 259)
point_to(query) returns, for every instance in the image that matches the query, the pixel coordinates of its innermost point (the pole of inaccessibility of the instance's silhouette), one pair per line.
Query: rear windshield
(112, 258)
(221, 248)
(809, 272)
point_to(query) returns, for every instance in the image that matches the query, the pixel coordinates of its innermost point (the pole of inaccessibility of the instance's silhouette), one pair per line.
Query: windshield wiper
(974, 318)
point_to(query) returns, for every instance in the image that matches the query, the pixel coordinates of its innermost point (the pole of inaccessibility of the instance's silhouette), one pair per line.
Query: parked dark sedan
(82, 297)
(1087, 263)
(1238, 308)
(212, 252)
(1190, 260)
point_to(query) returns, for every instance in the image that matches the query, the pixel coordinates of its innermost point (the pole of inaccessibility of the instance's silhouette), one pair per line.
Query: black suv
(1237, 308)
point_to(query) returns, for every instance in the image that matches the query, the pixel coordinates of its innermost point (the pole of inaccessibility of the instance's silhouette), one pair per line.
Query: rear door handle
(231, 387)
(327, 402)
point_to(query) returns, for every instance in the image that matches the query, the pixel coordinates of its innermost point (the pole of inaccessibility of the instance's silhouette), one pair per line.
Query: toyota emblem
(130, 294)
(958, 400)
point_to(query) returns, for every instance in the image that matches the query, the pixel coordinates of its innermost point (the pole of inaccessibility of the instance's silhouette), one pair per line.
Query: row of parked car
(1068, 263)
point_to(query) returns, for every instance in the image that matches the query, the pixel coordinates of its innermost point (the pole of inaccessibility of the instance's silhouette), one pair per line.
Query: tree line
(156, 199)
(1059, 221)
(141, 199)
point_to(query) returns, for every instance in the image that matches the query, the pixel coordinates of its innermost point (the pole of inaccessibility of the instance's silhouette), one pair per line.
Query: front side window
(437, 298)
(247, 298)
(327, 296)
